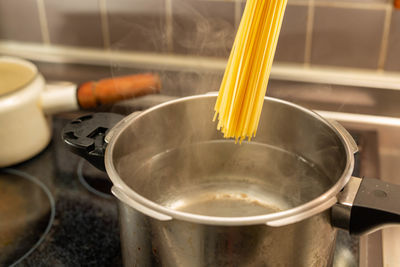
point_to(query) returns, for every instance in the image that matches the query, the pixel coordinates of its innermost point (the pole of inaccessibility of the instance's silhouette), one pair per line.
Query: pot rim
(298, 213)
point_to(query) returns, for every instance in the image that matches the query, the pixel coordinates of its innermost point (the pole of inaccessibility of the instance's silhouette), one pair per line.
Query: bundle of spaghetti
(245, 81)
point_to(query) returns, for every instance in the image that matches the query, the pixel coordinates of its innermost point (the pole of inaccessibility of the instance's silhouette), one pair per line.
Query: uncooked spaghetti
(245, 81)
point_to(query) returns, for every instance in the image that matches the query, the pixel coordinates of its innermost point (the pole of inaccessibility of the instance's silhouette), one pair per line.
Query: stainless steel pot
(188, 197)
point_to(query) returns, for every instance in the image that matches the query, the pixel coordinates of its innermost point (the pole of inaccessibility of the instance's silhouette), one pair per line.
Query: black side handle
(376, 203)
(84, 136)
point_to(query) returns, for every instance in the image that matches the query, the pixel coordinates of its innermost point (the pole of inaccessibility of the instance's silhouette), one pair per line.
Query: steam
(196, 32)
(186, 28)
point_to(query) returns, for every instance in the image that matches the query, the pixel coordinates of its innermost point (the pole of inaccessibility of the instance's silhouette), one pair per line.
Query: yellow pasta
(245, 81)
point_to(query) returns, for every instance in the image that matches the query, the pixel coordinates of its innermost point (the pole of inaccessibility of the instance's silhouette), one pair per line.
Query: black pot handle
(85, 136)
(365, 205)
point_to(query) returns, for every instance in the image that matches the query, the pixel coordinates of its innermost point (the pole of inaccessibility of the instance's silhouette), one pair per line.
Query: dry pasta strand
(243, 87)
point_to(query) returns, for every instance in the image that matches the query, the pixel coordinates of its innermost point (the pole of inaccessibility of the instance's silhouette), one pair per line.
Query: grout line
(309, 34)
(44, 28)
(238, 13)
(355, 5)
(298, 3)
(329, 3)
(292, 3)
(221, 0)
(326, 3)
(169, 26)
(288, 72)
(385, 38)
(79, 55)
(105, 29)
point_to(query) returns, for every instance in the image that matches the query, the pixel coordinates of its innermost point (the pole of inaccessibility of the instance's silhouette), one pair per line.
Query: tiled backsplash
(292, 39)
(204, 28)
(74, 22)
(19, 20)
(345, 33)
(138, 25)
(347, 37)
(393, 55)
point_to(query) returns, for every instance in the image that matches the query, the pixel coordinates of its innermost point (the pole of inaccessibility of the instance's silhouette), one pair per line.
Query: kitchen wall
(362, 34)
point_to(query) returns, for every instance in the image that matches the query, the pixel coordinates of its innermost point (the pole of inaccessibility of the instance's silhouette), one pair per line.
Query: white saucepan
(26, 101)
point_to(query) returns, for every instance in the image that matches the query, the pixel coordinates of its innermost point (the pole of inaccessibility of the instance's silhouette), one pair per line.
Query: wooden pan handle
(107, 91)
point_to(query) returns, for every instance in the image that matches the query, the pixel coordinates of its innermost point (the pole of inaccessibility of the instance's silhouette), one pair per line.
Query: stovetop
(70, 217)
(82, 225)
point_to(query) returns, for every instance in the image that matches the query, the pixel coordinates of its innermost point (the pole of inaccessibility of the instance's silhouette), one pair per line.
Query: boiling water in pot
(219, 178)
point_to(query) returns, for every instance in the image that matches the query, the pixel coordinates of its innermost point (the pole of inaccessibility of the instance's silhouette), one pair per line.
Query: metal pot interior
(173, 156)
